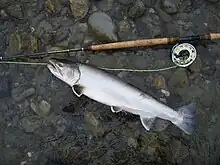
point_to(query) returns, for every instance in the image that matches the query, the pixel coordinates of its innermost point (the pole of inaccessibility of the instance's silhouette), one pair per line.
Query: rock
(52, 6)
(102, 27)
(43, 108)
(212, 1)
(136, 10)
(61, 34)
(125, 31)
(22, 92)
(5, 87)
(44, 31)
(159, 82)
(79, 8)
(179, 79)
(94, 124)
(165, 92)
(163, 15)
(105, 5)
(179, 151)
(160, 125)
(30, 124)
(125, 2)
(78, 33)
(15, 11)
(169, 7)
(14, 44)
(196, 66)
(22, 41)
(132, 142)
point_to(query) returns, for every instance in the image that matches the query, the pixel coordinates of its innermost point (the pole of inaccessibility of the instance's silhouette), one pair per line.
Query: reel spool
(183, 54)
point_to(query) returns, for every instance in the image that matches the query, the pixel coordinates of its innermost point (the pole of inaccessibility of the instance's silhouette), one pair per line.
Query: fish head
(69, 73)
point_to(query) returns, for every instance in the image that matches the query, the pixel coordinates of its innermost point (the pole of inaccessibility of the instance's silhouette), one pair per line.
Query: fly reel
(183, 54)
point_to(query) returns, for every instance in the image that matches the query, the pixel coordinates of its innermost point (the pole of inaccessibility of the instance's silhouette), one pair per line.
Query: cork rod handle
(137, 43)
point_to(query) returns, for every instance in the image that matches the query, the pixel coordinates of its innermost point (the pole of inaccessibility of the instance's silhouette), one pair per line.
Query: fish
(106, 88)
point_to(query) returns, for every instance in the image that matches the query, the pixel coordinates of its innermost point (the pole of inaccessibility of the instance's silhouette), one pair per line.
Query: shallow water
(43, 122)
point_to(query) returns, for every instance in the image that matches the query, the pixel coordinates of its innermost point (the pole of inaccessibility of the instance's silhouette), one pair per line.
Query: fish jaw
(69, 74)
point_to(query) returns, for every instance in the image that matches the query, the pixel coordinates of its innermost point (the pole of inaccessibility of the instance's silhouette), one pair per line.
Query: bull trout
(111, 90)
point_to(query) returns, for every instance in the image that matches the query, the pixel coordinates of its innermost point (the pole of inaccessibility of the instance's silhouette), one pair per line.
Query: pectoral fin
(147, 122)
(116, 109)
(78, 90)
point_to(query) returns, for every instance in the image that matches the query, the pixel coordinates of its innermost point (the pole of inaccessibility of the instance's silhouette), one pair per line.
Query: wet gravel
(43, 122)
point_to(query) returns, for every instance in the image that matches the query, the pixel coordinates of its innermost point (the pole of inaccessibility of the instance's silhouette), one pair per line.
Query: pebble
(165, 92)
(169, 7)
(94, 124)
(125, 30)
(159, 82)
(30, 123)
(44, 31)
(79, 8)
(52, 6)
(5, 87)
(105, 5)
(23, 162)
(41, 109)
(125, 2)
(132, 142)
(196, 66)
(160, 125)
(213, 0)
(78, 34)
(102, 27)
(179, 79)
(137, 9)
(15, 11)
(21, 93)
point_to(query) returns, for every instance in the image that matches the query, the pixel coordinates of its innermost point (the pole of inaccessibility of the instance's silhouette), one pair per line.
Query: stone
(213, 1)
(22, 41)
(163, 15)
(43, 108)
(105, 5)
(125, 30)
(52, 6)
(30, 123)
(78, 33)
(196, 66)
(44, 31)
(137, 9)
(132, 142)
(94, 124)
(179, 151)
(15, 10)
(14, 44)
(79, 8)
(22, 92)
(160, 125)
(5, 87)
(159, 82)
(169, 7)
(102, 27)
(179, 79)
(125, 2)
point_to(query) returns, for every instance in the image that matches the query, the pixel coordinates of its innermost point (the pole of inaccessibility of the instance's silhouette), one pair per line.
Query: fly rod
(124, 44)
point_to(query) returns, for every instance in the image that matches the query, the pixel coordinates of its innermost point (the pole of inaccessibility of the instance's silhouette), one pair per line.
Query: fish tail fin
(188, 116)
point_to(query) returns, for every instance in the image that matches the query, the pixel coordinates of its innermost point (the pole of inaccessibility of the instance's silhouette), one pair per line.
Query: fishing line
(104, 68)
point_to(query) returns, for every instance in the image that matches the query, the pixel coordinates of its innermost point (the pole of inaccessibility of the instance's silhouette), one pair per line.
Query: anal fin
(116, 109)
(78, 90)
(147, 122)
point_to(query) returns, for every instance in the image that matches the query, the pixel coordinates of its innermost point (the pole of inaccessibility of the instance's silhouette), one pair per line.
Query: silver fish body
(111, 90)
